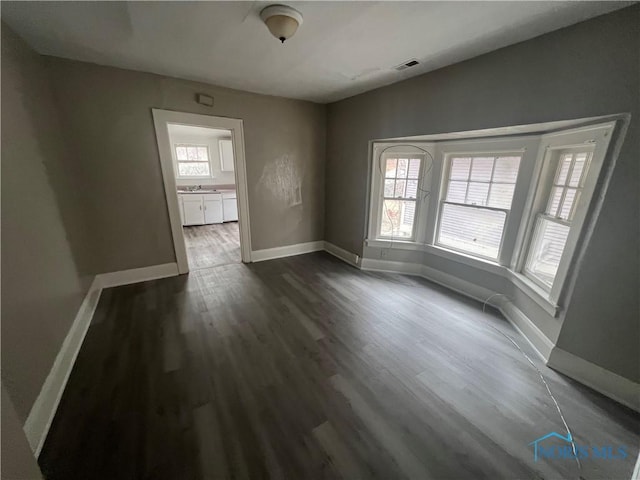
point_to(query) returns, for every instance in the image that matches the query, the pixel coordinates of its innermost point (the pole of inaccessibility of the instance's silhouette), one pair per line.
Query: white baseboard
(636, 470)
(44, 408)
(390, 266)
(529, 330)
(601, 380)
(286, 251)
(136, 275)
(342, 254)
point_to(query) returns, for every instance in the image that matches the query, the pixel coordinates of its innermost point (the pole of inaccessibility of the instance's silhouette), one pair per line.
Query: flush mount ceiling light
(282, 21)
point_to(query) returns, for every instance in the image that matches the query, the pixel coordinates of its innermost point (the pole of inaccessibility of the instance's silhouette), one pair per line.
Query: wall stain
(281, 177)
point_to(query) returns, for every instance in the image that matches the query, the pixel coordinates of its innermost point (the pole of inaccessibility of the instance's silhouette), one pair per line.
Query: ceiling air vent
(407, 64)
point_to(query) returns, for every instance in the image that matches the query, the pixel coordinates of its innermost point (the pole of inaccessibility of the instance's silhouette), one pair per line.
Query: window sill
(395, 244)
(522, 283)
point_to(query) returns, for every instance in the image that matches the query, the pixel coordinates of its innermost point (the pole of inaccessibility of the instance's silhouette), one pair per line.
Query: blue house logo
(542, 439)
(570, 450)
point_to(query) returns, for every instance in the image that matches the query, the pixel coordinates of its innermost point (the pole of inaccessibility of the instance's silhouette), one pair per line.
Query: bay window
(515, 205)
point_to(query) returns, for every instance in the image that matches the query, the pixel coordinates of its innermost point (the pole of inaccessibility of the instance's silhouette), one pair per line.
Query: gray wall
(585, 70)
(18, 461)
(106, 115)
(42, 287)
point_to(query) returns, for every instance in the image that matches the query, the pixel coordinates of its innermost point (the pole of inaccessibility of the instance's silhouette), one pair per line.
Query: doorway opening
(205, 183)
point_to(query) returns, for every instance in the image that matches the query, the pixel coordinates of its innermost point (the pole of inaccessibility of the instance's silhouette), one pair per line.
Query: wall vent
(407, 64)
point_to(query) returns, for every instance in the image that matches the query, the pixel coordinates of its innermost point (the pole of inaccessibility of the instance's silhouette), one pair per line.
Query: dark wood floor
(306, 368)
(212, 245)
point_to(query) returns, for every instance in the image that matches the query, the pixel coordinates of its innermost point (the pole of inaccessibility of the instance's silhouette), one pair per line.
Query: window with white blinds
(474, 209)
(192, 161)
(552, 225)
(400, 194)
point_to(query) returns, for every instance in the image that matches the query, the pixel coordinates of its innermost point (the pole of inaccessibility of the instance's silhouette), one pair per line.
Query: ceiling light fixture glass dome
(282, 21)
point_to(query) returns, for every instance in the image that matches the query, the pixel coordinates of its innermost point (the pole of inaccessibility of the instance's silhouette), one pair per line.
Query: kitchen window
(192, 161)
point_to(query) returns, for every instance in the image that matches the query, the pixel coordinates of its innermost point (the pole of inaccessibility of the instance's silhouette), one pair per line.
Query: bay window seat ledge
(522, 283)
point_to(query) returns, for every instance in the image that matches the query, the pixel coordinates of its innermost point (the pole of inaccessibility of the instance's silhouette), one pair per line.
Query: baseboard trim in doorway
(44, 408)
(342, 254)
(606, 382)
(286, 251)
(137, 275)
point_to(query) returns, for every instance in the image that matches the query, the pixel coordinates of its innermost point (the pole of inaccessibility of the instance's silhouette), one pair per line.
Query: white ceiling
(341, 49)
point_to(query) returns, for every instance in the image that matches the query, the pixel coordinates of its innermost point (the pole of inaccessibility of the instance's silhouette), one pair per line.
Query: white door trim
(161, 118)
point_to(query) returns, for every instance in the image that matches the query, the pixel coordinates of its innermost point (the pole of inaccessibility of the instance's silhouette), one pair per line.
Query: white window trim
(382, 151)
(509, 218)
(174, 154)
(524, 207)
(595, 136)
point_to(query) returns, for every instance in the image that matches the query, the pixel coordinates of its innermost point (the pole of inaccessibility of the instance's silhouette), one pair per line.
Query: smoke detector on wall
(282, 21)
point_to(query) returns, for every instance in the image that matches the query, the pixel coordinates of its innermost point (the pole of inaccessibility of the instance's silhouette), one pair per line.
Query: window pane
(506, 169)
(193, 169)
(181, 153)
(389, 187)
(481, 168)
(412, 188)
(192, 153)
(547, 245)
(457, 192)
(474, 230)
(477, 194)
(501, 195)
(403, 166)
(578, 169)
(400, 188)
(570, 198)
(554, 201)
(202, 154)
(414, 168)
(390, 169)
(397, 218)
(460, 168)
(563, 169)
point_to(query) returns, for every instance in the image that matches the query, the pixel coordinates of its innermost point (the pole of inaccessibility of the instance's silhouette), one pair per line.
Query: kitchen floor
(212, 245)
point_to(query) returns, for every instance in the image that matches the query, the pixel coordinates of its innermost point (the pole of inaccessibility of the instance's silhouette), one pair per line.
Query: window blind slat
(472, 229)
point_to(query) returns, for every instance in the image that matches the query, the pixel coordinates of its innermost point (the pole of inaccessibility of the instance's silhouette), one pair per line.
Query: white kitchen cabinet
(230, 208)
(204, 209)
(212, 209)
(226, 155)
(193, 211)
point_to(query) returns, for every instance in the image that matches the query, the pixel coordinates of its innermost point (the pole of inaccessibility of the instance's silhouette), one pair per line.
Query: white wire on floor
(544, 381)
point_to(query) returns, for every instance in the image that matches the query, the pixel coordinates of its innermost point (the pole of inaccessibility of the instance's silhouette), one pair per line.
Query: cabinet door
(193, 213)
(213, 211)
(226, 155)
(230, 209)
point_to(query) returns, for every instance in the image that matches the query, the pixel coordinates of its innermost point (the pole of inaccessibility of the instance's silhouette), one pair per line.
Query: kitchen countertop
(205, 191)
